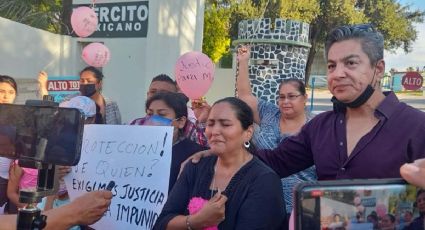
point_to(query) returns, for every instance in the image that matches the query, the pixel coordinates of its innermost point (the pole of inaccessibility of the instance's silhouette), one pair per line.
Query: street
(322, 100)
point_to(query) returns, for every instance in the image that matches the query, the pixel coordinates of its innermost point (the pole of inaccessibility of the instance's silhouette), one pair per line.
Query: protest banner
(137, 159)
(61, 87)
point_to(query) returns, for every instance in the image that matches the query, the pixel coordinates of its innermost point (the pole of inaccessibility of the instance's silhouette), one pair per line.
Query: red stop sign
(412, 81)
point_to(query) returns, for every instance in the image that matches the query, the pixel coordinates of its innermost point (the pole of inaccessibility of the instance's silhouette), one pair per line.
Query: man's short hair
(371, 40)
(164, 77)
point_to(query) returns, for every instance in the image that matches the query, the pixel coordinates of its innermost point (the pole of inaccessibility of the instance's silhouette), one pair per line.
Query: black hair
(98, 118)
(296, 82)
(164, 77)
(243, 113)
(371, 40)
(172, 100)
(374, 216)
(9, 80)
(96, 72)
(392, 218)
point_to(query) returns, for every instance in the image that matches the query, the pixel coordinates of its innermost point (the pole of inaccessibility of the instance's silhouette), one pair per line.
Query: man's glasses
(290, 97)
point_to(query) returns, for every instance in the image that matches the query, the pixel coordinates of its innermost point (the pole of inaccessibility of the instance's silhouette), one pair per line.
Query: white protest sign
(138, 159)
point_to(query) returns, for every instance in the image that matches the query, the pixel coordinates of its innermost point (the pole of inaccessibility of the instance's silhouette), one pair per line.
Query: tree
(216, 40)
(388, 16)
(50, 15)
(221, 19)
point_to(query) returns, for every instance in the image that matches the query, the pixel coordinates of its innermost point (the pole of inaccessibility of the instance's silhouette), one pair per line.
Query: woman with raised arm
(231, 189)
(275, 123)
(91, 80)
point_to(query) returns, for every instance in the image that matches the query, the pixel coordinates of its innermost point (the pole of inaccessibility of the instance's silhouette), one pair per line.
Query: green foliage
(216, 40)
(394, 21)
(42, 14)
(303, 10)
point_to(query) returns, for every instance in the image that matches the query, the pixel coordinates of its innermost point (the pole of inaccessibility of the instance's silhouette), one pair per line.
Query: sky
(416, 58)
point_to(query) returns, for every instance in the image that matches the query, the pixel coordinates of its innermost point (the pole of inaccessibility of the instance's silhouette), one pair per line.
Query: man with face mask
(369, 134)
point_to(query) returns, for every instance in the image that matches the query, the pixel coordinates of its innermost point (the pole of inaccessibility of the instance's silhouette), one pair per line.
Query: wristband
(188, 223)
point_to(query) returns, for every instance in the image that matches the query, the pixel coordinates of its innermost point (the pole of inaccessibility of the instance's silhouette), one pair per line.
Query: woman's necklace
(213, 186)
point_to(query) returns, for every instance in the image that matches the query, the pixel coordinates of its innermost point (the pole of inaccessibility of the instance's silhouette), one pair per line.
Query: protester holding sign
(251, 197)
(170, 109)
(91, 80)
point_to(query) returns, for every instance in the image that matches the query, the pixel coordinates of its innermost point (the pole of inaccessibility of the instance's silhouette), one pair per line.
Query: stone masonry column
(277, 53)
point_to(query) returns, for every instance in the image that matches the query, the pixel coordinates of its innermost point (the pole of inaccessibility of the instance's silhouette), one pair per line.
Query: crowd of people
(235, 152)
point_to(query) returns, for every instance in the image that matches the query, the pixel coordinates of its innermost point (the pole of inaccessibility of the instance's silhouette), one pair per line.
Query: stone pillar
(277, 53)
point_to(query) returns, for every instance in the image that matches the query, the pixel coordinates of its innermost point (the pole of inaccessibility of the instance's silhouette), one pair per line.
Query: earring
(246, 144)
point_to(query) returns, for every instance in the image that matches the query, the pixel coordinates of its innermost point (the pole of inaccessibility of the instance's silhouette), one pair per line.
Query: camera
(40, 135)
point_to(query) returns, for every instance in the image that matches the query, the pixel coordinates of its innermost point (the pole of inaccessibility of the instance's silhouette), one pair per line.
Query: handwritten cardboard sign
(138, 159)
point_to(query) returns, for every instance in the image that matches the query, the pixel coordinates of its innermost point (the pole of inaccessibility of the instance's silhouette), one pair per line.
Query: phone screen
(45, 134)
(357, 204)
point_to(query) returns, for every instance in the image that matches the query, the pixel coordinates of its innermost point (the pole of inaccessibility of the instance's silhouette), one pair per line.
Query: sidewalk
(322, 100)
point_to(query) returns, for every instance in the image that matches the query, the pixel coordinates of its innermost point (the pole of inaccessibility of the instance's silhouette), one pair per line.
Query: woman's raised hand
(244, 53)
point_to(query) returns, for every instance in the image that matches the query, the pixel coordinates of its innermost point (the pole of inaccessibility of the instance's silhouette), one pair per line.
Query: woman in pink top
(19, 178)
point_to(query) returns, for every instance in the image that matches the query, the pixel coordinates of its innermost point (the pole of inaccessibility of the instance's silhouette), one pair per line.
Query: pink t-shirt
(28, 179)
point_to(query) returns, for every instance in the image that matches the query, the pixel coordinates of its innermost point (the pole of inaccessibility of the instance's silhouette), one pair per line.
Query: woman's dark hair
(96, 72)
(392, 217)
(243, 113)
(9, 80)
(295, 82)
(98, 118)
(172, 100)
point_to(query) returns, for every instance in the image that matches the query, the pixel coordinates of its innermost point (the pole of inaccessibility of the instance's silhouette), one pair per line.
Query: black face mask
(87, 90)
(367, 93)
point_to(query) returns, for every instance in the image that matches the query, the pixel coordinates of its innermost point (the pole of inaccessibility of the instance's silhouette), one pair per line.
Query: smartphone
(355, 204)
(45, 134)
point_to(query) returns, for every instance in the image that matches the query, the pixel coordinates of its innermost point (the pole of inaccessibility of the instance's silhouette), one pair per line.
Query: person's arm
(292, 155)
(243, 85)
(42, 83)
(264, 207)
(85, 210)
(174, 215)
(177, 201)
(15, 173)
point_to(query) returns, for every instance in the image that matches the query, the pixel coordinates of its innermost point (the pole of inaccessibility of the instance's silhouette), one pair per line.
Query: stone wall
(278, 52)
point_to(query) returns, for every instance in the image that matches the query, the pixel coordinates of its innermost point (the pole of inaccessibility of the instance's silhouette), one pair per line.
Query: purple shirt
(398, 138)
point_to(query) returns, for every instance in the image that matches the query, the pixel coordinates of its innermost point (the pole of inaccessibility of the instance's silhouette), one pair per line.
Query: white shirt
(4, 167)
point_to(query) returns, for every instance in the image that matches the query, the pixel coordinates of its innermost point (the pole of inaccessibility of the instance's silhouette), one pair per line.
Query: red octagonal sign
(412, 81)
